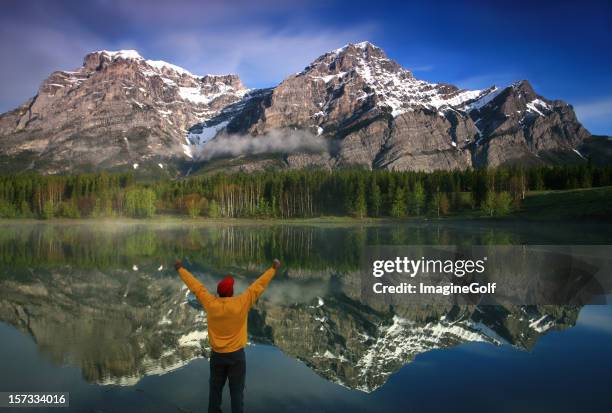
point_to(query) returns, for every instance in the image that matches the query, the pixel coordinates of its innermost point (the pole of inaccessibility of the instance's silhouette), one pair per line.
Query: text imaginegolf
(411, 267)
(407, 288)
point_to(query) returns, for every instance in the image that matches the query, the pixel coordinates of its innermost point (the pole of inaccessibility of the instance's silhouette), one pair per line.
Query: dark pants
(225, 366)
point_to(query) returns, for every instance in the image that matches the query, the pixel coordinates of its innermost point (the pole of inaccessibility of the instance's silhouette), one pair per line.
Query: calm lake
(96, 309)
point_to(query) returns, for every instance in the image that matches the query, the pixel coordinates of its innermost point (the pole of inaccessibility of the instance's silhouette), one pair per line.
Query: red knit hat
(225, 288)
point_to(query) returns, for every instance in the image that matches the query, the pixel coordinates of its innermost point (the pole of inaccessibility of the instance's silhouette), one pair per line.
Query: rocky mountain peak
(375, 81)
(137, 111)
(523, 86)
(168, 72)
(363, 50)
(100, 59)
(119, 110)
(515, 100)
(360, 57)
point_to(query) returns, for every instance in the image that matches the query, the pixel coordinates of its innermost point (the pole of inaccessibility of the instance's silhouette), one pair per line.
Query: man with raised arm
(227, 331)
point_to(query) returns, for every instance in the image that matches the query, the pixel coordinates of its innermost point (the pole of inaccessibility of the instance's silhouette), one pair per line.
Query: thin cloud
(32, 52)
(592, 318)
(594, 110)
(275, 141)
(260, 56)
(204, 37)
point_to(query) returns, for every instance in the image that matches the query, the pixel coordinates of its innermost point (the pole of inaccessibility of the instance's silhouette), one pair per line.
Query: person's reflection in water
(227, 332)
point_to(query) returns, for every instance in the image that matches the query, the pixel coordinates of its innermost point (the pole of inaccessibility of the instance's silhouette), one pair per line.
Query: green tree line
(290, 194)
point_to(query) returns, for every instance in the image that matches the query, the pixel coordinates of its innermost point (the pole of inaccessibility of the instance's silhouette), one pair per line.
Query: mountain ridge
(120, 111)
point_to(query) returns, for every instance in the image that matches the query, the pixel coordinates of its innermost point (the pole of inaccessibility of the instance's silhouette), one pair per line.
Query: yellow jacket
(227, 316)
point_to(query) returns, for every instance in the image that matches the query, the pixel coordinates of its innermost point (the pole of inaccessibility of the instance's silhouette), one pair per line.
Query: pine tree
(375, 198)
(398, 206)
(488, 205)
(140, 203)
(7, 210)
(48, 210)
(213, 209)
(503, 203)
(444, 204)
(192, 205)
(416, 199)
(24, 210)
(359, 204)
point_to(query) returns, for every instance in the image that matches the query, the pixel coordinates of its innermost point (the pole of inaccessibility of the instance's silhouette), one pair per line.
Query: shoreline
(577, 205)
(325, 220)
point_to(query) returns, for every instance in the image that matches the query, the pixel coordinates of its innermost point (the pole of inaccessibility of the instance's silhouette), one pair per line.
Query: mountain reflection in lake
(103, 300)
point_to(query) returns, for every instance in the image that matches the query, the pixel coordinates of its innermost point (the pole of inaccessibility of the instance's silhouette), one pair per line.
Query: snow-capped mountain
(385, 81)
(120, 110)
(381, 116)
(117, 111)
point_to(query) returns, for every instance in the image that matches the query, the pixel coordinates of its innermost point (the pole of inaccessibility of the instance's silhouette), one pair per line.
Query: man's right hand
(276, 263)
(178, 264)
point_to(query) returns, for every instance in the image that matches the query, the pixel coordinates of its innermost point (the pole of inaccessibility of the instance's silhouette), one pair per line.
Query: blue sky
(563, 48)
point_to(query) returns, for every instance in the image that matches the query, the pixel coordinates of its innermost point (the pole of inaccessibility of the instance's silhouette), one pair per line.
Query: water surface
(96, 309)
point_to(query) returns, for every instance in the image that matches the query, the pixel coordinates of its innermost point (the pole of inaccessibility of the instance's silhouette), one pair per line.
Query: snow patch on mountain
(167, 363)
(360, 45)
(202, 95)
(161, 66)
(122, 54)
(484, 100)
(197, 137)
(329, 78)
(578, 153)
(538, 106)
(158, 66)
(542, 324)
(193, 338)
